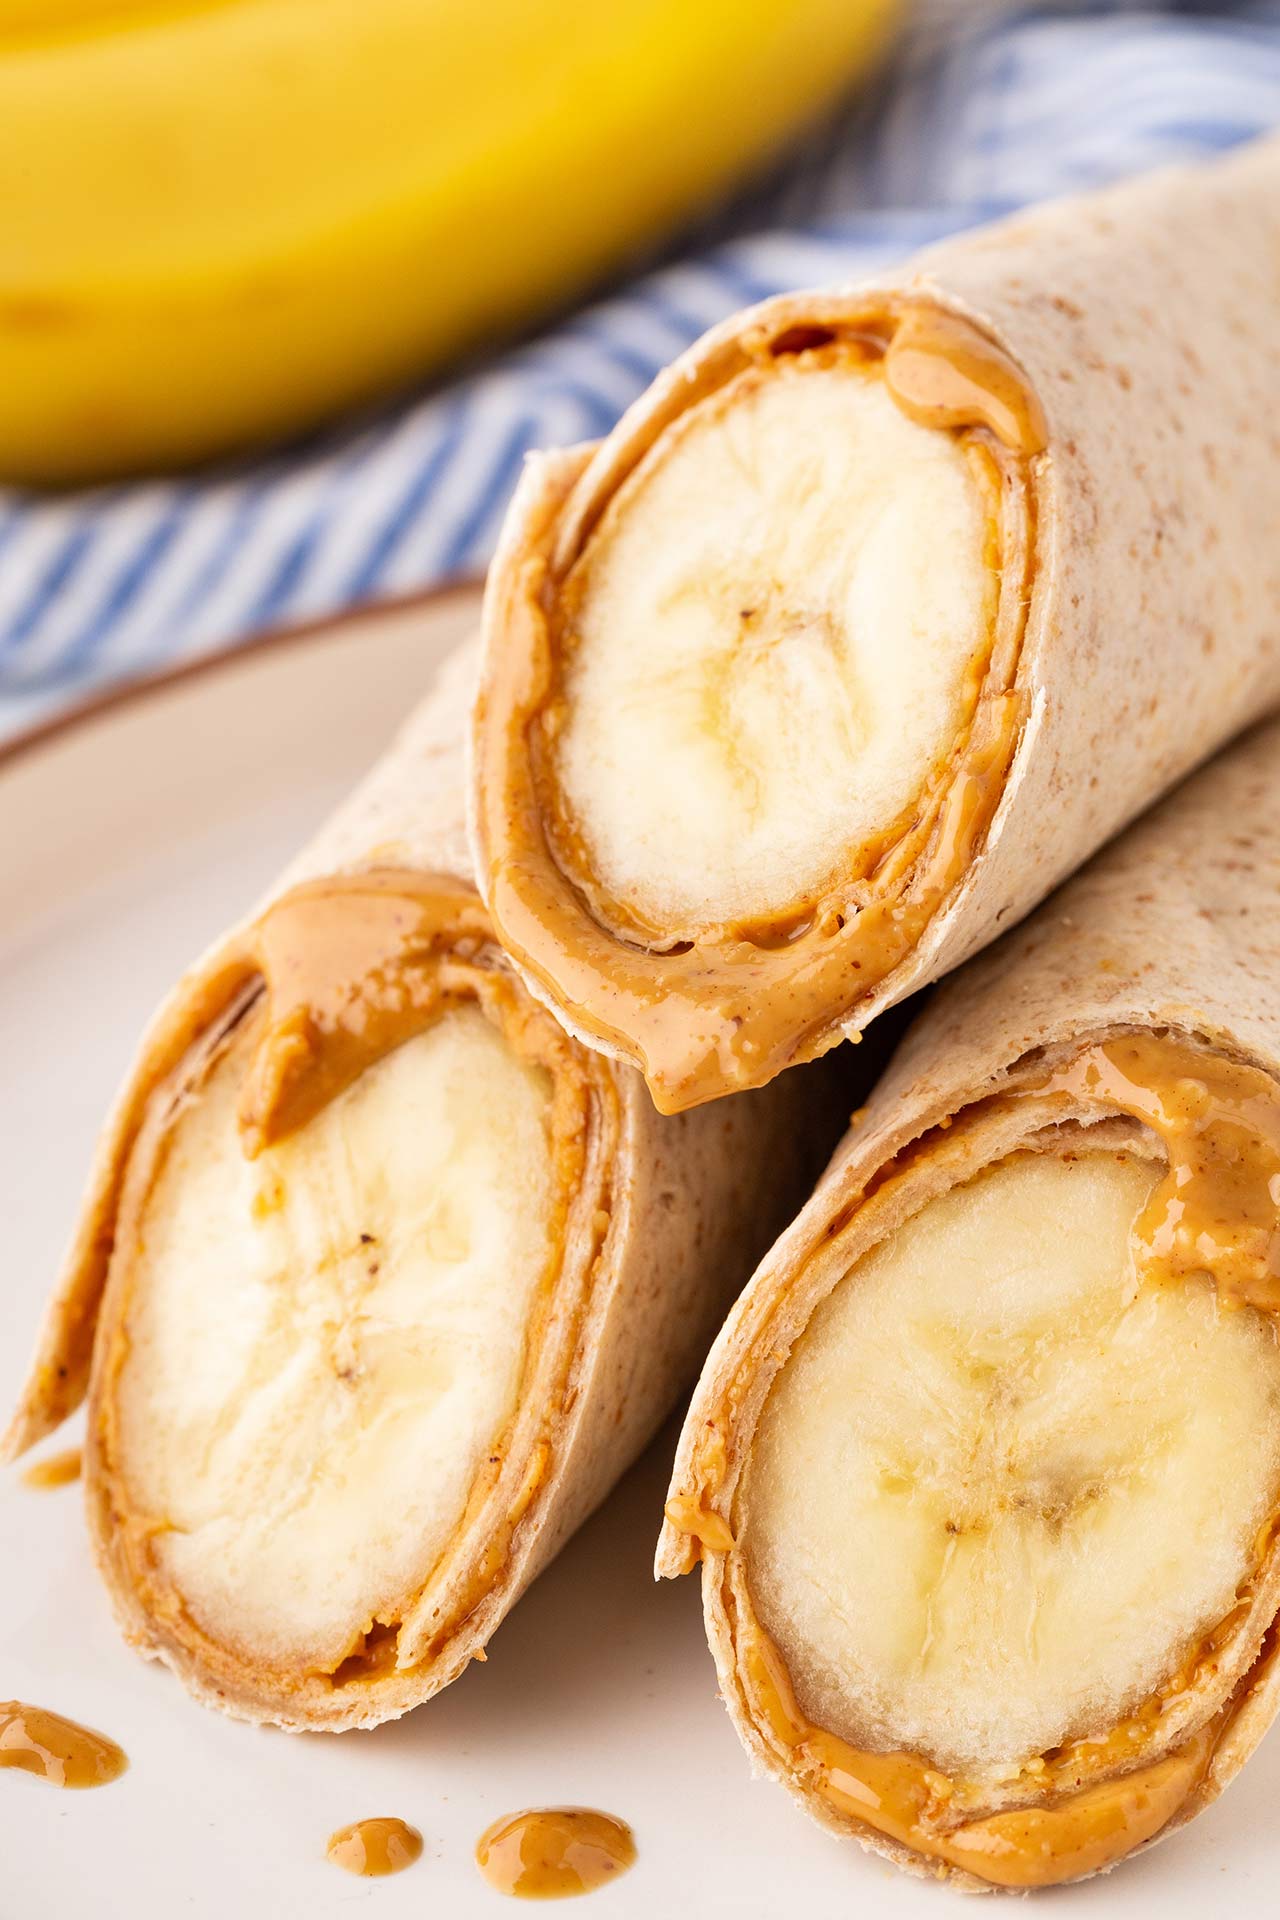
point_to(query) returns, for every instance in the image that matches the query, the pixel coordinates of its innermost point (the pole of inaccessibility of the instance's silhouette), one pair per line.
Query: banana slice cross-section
(789, 633)
(999, 1488)
(318, 1350)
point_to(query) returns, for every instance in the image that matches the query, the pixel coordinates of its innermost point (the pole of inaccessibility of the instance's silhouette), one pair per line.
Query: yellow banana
(221, 220)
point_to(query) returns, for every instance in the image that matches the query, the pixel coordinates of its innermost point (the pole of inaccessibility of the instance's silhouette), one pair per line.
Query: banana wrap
(875, 616)
(381, 1280)
(984, 1468)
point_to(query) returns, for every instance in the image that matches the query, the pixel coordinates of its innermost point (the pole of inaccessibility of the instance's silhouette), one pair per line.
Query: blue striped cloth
(984, 109)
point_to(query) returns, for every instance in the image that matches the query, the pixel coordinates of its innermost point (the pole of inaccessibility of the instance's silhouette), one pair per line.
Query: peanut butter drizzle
(374, 1847)
(1217, 1210)
(59, 1470)
(57, 1750)
(352, 971)
(734, 1005)
(1078, 1832)
(549, 1853)
(1215, 1214)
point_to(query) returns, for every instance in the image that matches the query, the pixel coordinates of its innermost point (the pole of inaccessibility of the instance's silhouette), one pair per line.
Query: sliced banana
(999, 1490)
(773, 636)
(317, 1348)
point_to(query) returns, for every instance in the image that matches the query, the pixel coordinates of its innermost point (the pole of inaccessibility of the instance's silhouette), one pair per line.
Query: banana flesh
(320, 1346)
(999, 1492)
(782, 609)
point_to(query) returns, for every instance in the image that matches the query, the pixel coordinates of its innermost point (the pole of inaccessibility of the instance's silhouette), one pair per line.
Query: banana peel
(227, 219)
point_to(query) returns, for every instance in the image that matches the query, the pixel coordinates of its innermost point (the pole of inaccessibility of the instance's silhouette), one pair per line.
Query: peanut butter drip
(57, 1750)
(1078, 1830)
(944, 372)
(1217, 1210)
(374, 1847)
(734, 1005)
(59, 1470)
(549, 1853)
(352, 971)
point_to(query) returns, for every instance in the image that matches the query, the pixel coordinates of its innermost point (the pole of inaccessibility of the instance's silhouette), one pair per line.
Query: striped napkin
(984, 110)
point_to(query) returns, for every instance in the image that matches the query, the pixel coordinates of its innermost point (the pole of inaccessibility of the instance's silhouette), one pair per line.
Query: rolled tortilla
(984, 1468)
(381, 1279)
(875, 616)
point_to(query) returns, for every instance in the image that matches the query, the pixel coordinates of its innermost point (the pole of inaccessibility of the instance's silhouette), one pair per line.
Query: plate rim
(127, 690)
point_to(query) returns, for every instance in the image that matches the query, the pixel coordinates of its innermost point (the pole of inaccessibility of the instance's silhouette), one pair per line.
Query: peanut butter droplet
(59, 1470)
(374, 1847)
(551, 1853)
(57, 1750)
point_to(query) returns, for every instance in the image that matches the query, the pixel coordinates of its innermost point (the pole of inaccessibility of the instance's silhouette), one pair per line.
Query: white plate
(126, 841)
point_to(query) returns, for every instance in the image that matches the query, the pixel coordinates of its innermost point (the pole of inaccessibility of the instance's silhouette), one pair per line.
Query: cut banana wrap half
(381, 1279)
(874, 617)
(984, 1468)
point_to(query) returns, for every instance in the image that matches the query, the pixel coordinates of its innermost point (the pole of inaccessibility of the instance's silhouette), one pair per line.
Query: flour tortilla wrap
(875, 616)
(349, 1396)
(984, 1467)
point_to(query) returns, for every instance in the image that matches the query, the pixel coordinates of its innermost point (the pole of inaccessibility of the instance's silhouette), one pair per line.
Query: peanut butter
(58, 1470)
(1073, 1833)
(57, 1750)
(732, 1006)
(354, 967)
(374, 1847)
(945, 372)
(689, 1514)
(549, 1853)
(1217, 1210)
(710, 1529)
